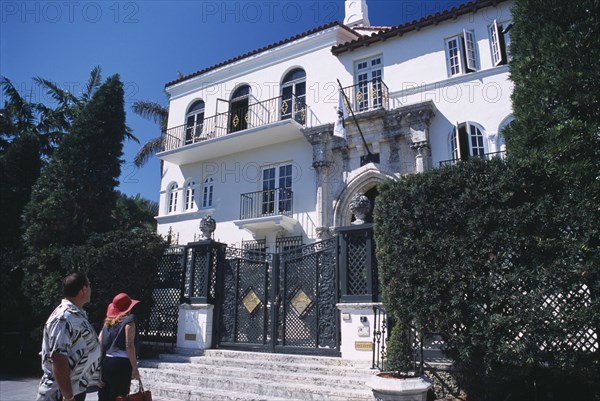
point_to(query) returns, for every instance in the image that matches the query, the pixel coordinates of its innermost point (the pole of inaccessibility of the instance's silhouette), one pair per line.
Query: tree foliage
(158, 114)
(477, 252)
(556, 98)
(60, 212)
(503, 257)
(75, 194)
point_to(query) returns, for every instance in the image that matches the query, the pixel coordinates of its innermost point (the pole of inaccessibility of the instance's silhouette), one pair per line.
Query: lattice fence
(161, 325)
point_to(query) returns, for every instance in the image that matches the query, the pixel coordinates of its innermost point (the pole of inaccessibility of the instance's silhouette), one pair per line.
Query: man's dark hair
(73, 283)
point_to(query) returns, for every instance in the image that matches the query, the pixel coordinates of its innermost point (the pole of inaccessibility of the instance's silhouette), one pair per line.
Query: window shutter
(470, 54)
(457, 141)
(497, 56)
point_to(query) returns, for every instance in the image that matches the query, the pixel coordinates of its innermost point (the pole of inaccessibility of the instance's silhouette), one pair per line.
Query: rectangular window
(172, 202)
(461, 54)
(277, 190)
(207, 193)
(190, 196)
(500, 42)
(368, 75)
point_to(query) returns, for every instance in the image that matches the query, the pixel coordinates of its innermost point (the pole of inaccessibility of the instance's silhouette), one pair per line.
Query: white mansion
(252, 141)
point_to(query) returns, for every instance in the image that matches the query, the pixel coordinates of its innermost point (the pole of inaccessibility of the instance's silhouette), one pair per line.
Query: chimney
(357, 13)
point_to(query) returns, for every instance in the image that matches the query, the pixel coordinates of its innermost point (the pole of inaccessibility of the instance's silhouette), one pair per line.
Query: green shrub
(399, 356)
(494, 256)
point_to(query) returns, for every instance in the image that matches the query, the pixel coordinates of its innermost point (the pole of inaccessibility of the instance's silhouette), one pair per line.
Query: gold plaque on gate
(363, 345)
(301, 302)
(190, 337)
(251, 301)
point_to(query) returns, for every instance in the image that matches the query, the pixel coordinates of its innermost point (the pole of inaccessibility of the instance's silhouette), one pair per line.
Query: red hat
(121, 305)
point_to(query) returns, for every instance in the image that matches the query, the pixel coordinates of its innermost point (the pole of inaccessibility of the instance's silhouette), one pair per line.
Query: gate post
(359, 290)
(358, 265)
(196, 315)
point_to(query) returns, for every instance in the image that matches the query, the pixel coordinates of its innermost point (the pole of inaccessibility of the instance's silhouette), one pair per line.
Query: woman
(119, 342)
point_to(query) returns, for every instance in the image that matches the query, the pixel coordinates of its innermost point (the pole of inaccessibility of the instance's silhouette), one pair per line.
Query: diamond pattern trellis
(357, 266)
(161, 325)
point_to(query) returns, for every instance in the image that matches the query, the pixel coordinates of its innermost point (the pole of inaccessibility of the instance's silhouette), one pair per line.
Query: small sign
(363, 345)
(190, 337)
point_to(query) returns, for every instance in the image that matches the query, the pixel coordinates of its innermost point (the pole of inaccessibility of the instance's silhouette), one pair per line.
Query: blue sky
(149, 42)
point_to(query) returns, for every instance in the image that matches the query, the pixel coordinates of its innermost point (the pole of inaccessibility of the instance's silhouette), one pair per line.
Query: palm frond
(149, 149)
(93, 83)
(61, 96)
(129, 135)
(17, 107)
(152, 111)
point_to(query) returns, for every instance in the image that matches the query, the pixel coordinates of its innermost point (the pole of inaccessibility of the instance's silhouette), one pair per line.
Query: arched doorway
(238, 111)
(364, 181)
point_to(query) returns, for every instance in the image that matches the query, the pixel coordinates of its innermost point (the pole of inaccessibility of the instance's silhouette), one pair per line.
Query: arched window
(207, 193)
(194, 121)
(293, 96)
(238, 109)
(466, 140)
(190, 195)
(500, 144)
(172, 193)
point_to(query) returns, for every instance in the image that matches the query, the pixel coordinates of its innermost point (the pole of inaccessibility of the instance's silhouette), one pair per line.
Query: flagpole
(370, 156)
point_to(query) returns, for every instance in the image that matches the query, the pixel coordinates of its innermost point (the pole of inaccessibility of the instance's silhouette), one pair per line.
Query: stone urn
(360, 206)
(390, 386)
(207, 226)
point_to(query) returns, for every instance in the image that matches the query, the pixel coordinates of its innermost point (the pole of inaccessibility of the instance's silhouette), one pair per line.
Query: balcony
(489, 156)
(368, 95)
(265, 210)
(259, 124)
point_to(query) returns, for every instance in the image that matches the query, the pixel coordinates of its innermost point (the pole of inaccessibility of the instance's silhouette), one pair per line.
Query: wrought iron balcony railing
(270, 202)
(488, 156)
(238, 119)
(368, 95)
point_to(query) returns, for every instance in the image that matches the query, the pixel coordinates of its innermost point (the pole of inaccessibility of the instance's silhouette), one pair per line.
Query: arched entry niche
(366, 183)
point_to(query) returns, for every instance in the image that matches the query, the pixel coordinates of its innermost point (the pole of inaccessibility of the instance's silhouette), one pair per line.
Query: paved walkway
(14, 388)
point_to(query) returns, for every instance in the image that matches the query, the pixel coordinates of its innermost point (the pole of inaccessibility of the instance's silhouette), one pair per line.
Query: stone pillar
(322, 169)
(418, 123)
(321, 140)
(194, 328)
(423, 156)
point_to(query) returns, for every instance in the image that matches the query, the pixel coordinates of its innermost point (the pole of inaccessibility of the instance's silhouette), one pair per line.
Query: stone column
(418, 123)
(320, 139)
(423, 156)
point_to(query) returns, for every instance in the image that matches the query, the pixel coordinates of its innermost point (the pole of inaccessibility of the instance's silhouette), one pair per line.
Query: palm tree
(158, 114)
(69, 105)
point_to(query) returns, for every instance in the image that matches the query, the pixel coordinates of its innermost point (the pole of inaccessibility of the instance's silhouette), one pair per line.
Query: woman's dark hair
(73, 283)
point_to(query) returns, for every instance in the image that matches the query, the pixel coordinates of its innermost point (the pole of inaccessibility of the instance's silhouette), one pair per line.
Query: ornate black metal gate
(161, 325)
(281, 302)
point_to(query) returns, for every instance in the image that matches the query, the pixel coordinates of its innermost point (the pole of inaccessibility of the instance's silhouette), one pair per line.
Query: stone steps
(233, 375)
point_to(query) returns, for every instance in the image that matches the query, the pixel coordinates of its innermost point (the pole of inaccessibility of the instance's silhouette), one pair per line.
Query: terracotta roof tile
(262, 49)
(399, 30)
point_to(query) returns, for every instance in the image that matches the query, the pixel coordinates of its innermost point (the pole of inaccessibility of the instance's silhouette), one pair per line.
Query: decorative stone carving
(360, 206)
(207, 226)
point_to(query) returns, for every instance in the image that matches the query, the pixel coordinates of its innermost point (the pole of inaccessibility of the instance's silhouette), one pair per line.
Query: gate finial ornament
(360, 206)
(207, 226)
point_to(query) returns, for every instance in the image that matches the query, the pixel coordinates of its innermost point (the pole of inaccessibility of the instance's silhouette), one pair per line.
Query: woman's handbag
(141, 395)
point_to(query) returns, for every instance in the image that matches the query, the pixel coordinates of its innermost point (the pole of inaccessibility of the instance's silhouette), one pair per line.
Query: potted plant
(400, 381)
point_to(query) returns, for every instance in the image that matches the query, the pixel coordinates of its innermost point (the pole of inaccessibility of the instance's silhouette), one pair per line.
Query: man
(70, 350)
